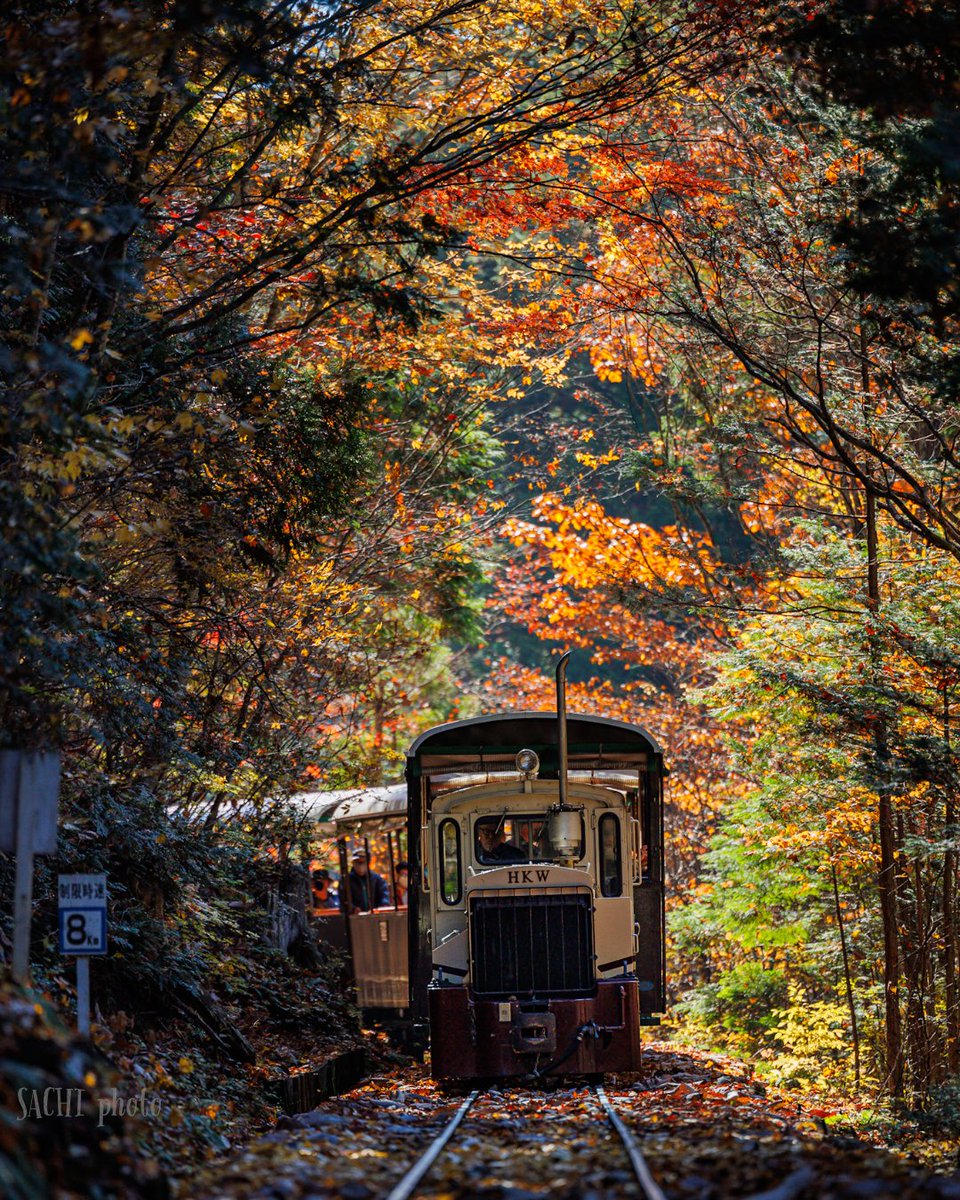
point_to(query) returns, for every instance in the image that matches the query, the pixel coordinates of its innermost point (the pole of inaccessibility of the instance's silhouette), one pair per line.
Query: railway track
(407, 1187)
(511, 1142)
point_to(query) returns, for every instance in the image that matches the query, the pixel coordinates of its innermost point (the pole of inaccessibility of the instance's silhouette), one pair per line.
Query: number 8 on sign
(83, 931)
(77, 929)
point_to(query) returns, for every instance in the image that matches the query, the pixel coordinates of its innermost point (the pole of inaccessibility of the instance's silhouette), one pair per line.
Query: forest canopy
(359, 357)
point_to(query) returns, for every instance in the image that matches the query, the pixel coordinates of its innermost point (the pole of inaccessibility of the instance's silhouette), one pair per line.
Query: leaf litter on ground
(707, 1128)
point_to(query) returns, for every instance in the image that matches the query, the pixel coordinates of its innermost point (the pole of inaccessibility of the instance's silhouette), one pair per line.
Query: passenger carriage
(374, 820)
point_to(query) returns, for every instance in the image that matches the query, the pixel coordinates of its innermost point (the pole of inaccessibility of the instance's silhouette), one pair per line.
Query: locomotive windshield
(516, 838)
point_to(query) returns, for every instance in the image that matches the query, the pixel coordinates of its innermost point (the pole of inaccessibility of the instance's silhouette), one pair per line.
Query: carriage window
(450, 873)
(524, 838)
(611, 869)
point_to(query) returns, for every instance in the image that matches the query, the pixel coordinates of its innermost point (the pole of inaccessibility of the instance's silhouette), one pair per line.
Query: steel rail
(404, 1189)
(651, 1188)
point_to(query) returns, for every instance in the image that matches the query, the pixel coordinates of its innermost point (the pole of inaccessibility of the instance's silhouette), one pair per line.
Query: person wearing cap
(368, 890)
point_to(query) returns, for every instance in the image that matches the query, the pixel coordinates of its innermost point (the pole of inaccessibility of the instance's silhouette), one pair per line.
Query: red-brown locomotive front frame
(469, 1039)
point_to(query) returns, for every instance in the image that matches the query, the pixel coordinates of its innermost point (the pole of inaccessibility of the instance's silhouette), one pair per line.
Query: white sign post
(82, 905)
(29, 790)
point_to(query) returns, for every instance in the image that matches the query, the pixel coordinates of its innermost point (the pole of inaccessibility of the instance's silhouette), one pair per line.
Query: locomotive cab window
(451, 876)
(517, 838)
(611, 857)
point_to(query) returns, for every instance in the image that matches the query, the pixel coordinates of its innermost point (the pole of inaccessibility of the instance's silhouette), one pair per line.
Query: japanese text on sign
(82, 887)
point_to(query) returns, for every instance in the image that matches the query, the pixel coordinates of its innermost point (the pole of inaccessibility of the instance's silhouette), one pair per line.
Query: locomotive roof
(534, 729)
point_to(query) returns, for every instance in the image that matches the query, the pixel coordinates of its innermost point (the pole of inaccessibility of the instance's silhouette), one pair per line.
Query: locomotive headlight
(528, 763)
(563, 829)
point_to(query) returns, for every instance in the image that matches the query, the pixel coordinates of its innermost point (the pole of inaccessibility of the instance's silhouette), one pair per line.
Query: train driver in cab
(493, 845)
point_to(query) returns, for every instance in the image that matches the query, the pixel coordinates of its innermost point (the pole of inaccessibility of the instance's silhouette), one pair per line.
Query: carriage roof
(352, 804)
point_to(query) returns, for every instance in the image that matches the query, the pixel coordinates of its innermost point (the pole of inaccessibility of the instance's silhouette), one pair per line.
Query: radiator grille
(532, 945)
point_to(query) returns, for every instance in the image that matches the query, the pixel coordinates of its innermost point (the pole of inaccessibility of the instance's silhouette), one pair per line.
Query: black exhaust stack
(562, 726)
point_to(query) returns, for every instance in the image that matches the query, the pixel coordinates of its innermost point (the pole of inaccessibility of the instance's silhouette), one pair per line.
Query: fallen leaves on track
(707, 1129)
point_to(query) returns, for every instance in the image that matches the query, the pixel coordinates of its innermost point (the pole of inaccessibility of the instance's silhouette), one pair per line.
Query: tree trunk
(887, 879)
(854, 1029)
(949, 916)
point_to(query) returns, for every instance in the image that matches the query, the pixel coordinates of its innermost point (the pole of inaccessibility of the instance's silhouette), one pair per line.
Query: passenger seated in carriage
(403, 884)
(366, 889)
(322, 897)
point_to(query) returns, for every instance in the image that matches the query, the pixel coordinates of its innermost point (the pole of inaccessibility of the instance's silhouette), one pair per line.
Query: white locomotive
(536, 902)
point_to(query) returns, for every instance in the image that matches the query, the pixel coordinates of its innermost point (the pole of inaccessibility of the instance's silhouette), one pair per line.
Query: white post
(23, 886)
(83, 995)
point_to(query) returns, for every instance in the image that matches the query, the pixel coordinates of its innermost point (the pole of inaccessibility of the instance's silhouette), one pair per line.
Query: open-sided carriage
(373, 820)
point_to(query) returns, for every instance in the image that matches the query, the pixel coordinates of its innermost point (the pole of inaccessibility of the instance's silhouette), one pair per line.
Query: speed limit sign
(82, 903)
